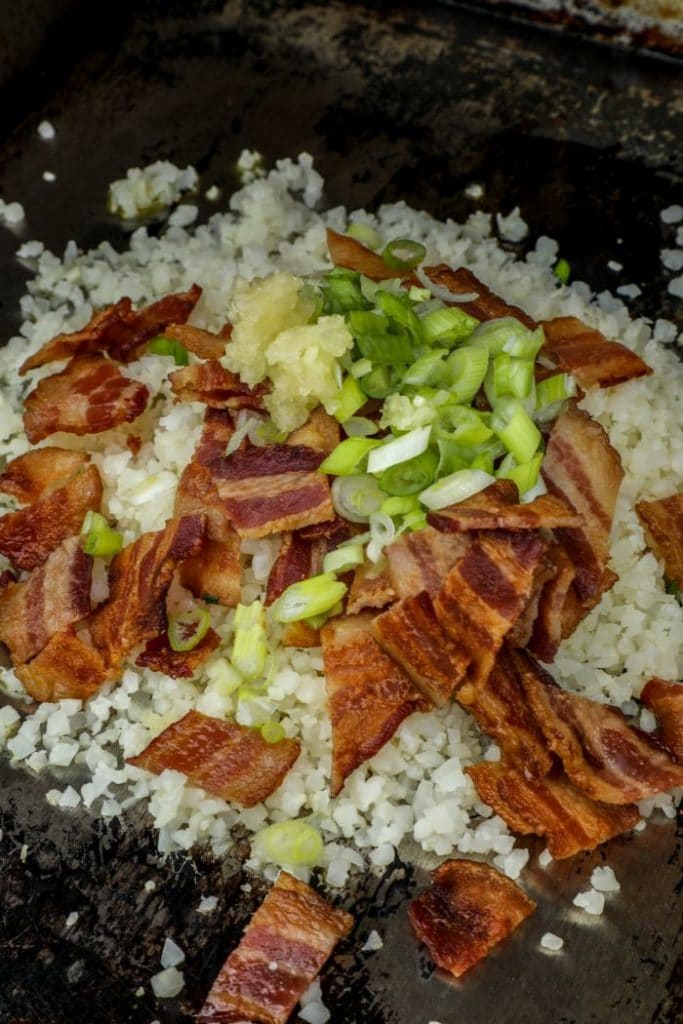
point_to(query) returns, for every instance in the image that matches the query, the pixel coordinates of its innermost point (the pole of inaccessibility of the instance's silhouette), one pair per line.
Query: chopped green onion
(379, 383)
(456, 487)
(310, 597)
(462, 424)
(554, 389)
(447, 325)
(356, 497)
(401, 311)
(382, 532)
(250, 650)
(521, 377)
(272, 732)
(562, 271)
(515, 428)
(290, 843)
(360, 426)
(525, 346)
(163, 346)
(400, 506)
(370, 288)
(418, 294)
(361, 368)
(187, 629)
(364, 233)
(341, 291)
(349, 399)
(222, 677)
(98, 536)
(405, 412)
(318, 621)
(496, 334)
(253, 708)
(416, 520)
(403, 254)
(524, 475)
(375, 340)
(342, 559)
(412, 476)
(345, 459)
(429, 369)
(391, 453)
(466, 371)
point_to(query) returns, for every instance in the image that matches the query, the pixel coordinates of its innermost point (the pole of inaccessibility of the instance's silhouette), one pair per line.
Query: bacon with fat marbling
(582, 468)
(550, 806)
(301, 554)
(38, 473)
(421, 560)
(663, 523)
(547, 629)
(201, 343)
(284, 947)
(29, 535)
(371, 587)
(588, 355)
(89, 396)
(468, 910)
(212, 384)
(159, 656)
(601, 753)
(67, 667)
(52, 598)
(486, 306)
(119, 330)
(139, 579)
(497, 507)
(368, 694)
(665, 700)
(222, 757)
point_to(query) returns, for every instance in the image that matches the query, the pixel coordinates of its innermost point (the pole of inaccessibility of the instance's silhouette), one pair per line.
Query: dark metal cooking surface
(394, 102)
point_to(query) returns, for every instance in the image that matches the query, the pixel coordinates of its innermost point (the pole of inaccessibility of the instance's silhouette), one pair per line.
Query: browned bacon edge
(160, 656)
(588, 355)
(284, 947)
(421, 560)
(67, 667)
(211, 383)
(38, 473)
(665, 700)
(201, 343)
(353, 255)
(222, 757)
(469, 909)
(497, 507)
(487, 305)
(663, 523)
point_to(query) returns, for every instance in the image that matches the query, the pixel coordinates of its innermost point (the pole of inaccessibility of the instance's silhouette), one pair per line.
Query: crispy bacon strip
(546, 633)
(501, 710)
(663, 523)
(160, 656)
(487, 305)
(217, 387)
(421, 560)
(498, 508)
(52, 598)
(301, 554)
(347, 252)
(67, 667)
(410, 633)
(367, 693)
(582, 468)
(469, 909)
(139, 579)
(28, 536)
(588, 355)
(215, 569)
(283, 948)
(118, 330)
(217, 431)
(665, 700)
(550, 807)
(320, 432)
(89, 396)
(602, 754)
(202, 343)
(40, 472)
(484, 595)
(371, 587)
(222, 757)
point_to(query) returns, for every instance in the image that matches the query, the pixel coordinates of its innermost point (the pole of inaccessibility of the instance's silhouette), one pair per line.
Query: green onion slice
(447, 325)
(456, 487)
(553, 389)
(98, 536)
(562, 271)
(360, 426)
(400, 505)
(346, 458)
(391, 453)
(349, 399)
(310, 597)
(429, 369)
(364, 233)
(399, 309)
(382, 532)
(466, 371)
(515, 428)
(412, 476)
(163, 346)
(187, 629)
(290, 843)
(524, 475)
(361, 368)
(403, 253)
(356, 497)
(496, 334)
(343, 559)
(272, 732)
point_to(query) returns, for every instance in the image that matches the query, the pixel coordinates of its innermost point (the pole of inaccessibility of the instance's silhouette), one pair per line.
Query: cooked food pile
(306, 559)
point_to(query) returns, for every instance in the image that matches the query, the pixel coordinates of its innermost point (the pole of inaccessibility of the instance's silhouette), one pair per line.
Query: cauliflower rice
(415, 788)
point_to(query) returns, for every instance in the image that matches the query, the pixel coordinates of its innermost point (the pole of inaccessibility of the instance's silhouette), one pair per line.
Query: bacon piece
(484, 595)
(497, 507)
(160, 656)
(52, 598)
(67, 667)
(547, 628)
(40, 472)
(663, 523)
(118, 330)
(202, 343)
(217, 387)
(665, 700)
(222, 757)
(28, 536)
(422, 560)
(89, 396)
(139, 579)
(320, 432)
(215, 569)
(301, 554)
(487, 305)
(550, 807)
(581, 467)
(501, 710)
(588, 355)
(367, 693)
(602, 754)
(284, 947)
(469, 909)
(411, 634)
(353, 255)
(371, 587)
(522, 630)
(217, 431)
